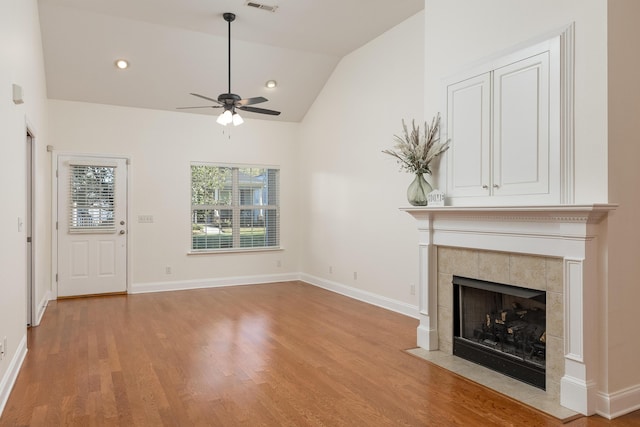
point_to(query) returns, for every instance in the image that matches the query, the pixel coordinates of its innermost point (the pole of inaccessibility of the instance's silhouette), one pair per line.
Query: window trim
(236, 206)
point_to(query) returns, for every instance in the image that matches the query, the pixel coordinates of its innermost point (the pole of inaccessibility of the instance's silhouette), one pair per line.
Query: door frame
(30, 221)
(54, 212)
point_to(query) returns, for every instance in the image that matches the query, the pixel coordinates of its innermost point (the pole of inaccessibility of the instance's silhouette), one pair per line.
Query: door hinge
(28, 239)
(56, 173)
(56, 277)
(56, 225)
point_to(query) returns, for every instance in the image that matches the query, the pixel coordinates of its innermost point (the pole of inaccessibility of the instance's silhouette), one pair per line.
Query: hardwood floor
(283, 354)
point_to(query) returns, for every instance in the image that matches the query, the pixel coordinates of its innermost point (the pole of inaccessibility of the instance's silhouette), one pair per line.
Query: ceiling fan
(231, 102)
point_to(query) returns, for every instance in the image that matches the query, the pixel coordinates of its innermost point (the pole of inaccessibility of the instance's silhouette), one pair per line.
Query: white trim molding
(339, 288)
(183, 285)
(361, 295)
(41, 307)
(10, 376)
(569, 232)
(613, 405)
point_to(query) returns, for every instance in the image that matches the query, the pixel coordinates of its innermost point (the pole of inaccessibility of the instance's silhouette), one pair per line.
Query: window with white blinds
(234, 207)
(92, 198)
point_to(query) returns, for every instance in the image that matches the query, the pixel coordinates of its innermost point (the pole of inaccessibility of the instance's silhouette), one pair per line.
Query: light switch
(145, 219)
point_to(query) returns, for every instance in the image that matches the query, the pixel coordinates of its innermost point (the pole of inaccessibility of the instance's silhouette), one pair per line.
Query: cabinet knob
(496, 186)
(485, 186)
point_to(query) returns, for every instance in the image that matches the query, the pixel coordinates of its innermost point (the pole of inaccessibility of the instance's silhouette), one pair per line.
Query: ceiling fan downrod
(229, 17)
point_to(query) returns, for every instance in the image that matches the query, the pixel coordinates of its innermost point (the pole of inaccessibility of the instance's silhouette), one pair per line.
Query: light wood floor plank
(283, 354)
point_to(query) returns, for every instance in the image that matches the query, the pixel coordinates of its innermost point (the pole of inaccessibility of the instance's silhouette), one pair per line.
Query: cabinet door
(468, 128)
(521, 127)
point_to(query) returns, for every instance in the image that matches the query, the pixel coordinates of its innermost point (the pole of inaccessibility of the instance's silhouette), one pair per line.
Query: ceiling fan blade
(207, 98)
(251, 101)
(260, 110)
(203, 106)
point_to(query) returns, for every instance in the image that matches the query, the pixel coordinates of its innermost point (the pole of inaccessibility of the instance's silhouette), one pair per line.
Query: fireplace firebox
(501, 327)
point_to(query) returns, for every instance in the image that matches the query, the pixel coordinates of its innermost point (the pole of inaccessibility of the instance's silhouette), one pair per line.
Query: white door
(92, 225)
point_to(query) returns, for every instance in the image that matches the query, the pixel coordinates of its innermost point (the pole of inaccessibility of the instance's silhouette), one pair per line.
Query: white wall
(20, 63)
(624, 176)
(462, 32)
(161, 146)
(350, 191)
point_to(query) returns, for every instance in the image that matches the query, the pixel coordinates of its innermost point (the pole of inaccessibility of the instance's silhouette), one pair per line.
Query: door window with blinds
(92, 198)
(234, 208)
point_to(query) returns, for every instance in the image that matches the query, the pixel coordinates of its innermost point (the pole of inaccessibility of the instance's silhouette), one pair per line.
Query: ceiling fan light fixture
(237, 120)
(271, 84)
(225, 118)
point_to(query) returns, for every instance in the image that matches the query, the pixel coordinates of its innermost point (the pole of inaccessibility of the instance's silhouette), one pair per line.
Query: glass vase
(418, 190)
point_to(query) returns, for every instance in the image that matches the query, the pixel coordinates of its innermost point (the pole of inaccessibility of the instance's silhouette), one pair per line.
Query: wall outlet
(167, 270)
(331, 269)
(3, 348)
(412, 289)
(355, 275)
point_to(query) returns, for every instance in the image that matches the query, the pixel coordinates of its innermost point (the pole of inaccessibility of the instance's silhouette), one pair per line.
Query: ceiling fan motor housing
(229, 98)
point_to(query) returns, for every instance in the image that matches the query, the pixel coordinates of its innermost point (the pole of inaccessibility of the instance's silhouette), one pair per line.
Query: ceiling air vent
(261, 6)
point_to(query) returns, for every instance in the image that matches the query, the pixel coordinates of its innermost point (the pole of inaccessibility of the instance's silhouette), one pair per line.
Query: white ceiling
(180, 46)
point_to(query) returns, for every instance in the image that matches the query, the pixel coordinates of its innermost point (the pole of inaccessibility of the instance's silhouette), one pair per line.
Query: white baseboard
(181, 285)
(42, 306)
(364, 296)
(616, 404)
(359, 294)
(9, 378)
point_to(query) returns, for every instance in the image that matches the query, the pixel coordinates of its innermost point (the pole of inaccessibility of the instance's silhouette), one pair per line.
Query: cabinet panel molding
(521, 128)
(469, 103)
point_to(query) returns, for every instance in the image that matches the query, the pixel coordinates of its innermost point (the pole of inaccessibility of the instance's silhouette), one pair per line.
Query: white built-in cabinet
(504, 122)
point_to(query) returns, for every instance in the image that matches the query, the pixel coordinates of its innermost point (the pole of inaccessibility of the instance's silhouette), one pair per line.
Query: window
(92, 199)
(234, 208)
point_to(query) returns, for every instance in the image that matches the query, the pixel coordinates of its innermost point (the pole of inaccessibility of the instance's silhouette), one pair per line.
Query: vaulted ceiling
(176, 47)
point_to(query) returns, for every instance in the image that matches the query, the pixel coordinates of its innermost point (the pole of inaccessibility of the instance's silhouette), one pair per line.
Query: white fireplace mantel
(573, 233)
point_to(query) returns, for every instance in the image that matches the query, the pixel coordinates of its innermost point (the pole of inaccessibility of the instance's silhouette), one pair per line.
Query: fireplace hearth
(501, 327)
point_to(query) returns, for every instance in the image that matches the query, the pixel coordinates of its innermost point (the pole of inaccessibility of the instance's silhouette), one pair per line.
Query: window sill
(233, 250)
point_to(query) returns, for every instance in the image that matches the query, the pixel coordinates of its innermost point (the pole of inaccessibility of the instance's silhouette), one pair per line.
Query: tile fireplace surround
(558, 249)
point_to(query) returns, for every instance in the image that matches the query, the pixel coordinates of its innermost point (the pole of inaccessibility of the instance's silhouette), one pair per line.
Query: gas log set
(501, 327)
(517, 331)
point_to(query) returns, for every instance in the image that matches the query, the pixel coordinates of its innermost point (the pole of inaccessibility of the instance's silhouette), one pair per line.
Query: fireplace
(501, 327)
(555, 249)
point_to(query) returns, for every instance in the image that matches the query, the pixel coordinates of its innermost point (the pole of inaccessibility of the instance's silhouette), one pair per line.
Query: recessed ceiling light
(271, 84)
(122, 64)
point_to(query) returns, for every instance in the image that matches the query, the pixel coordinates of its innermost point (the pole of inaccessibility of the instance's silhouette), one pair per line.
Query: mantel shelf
(593, 213)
